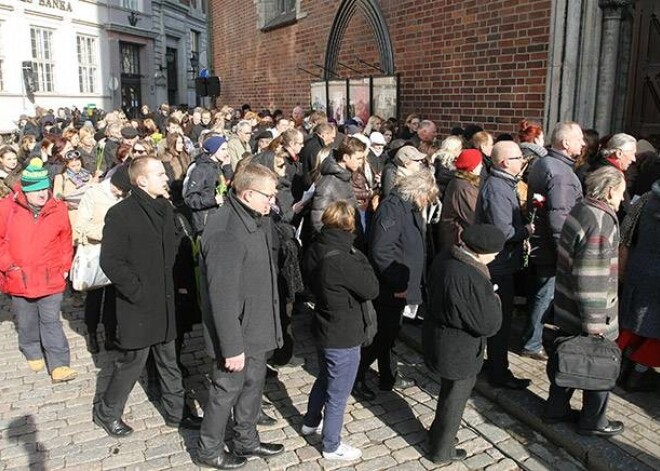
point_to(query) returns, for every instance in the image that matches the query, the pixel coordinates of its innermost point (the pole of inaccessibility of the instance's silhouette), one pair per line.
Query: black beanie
(483, 238)
(120, 178)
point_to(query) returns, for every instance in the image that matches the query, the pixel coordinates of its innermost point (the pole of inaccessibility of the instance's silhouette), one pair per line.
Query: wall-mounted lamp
(133, 18)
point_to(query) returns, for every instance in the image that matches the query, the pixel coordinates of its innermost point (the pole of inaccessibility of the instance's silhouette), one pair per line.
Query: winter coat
(586, 287)
(241, 311)
(464, 311)
(640, 300)
(458, 206)
(340, 282)
(35, 249)
(443, 176)
(397, 249)
(236, 149)
(137, 255)
(334, 185)
(65, 190)
(176, 168)
(361, 190)
(7, 182)
(551, 176)
(199, 190)
(309, 156)
(93, 207)
(110, 153)
(498, 205)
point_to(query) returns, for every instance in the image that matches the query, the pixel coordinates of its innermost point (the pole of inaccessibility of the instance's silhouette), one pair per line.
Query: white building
(106, 53)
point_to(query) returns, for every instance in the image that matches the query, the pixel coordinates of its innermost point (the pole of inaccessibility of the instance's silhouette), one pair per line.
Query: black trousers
(283, 355)
(101, 300)
(240, 391)
(389, 323)
(497, 346)
(594, 403)
(127, 370)
(451, 404)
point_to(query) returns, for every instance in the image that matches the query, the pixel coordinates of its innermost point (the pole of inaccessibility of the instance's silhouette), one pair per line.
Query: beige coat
(91, 213)
(236, 149)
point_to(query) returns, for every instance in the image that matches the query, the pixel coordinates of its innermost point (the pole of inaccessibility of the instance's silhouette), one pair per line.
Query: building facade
(491, 62)
(107, 53)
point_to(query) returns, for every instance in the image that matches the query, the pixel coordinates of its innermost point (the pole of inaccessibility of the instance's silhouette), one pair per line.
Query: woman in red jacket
(35, 258)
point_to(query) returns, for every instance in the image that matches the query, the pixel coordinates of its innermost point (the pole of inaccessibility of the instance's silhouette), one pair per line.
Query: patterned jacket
(586, 298)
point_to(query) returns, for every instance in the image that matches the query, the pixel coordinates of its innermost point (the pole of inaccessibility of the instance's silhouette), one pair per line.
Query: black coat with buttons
(240, 303)
(137, 255)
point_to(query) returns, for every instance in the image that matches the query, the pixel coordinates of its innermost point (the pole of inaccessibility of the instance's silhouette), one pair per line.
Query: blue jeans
(338, 369)
(539, 305)
(40, 332)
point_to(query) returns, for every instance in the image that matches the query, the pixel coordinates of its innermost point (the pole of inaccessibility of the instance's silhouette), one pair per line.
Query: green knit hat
(35, 176)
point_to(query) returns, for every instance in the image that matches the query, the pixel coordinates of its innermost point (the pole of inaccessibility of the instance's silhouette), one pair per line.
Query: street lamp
(133, 18)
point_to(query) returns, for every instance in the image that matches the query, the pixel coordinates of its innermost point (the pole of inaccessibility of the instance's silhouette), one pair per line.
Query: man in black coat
(498, 205)
(137, 255)
(240, 315)
(464, 311)
(324, 135)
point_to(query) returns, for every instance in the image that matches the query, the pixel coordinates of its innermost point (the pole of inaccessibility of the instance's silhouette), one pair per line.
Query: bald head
(507, 156)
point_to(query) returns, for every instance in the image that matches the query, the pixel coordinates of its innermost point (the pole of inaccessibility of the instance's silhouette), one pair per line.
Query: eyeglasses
(269, 197)
(72, 155)
(516, 158)
(139, 151)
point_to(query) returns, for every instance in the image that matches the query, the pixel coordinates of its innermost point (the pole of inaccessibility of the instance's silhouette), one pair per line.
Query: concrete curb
(595, 453)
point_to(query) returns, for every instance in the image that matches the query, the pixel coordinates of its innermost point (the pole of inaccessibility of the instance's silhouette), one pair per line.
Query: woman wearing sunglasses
(72, 183)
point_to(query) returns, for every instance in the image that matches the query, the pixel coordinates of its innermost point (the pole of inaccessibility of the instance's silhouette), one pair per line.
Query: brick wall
(460, 61)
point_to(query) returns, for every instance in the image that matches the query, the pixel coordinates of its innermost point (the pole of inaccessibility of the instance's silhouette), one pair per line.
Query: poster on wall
(359, 99)
(337, 100)
(384, 100)
(318, 98)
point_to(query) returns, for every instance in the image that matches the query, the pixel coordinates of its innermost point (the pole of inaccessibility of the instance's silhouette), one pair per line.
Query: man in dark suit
(464, 311)
(240, 313)
(137, 255)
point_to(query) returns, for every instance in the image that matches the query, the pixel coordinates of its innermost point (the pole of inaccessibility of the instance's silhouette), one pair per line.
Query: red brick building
(491, 62)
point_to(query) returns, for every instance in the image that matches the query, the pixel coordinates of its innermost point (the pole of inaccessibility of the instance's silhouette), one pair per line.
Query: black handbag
(590, 363)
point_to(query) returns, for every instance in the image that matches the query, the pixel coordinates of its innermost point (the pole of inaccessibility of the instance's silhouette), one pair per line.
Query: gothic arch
(374, 15)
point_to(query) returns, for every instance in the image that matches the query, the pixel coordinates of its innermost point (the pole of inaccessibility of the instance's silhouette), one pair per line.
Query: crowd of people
(237, 219)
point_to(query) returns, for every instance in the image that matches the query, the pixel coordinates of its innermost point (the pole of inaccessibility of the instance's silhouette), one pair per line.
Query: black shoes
(459, 454)
(265, 420)
(92, 343)
(613, 427)
(361, 392)
(189, 422)
(510, 383)
(538, 356)
(264, 450)
(401, 382)
(226, 461)
(116, 428)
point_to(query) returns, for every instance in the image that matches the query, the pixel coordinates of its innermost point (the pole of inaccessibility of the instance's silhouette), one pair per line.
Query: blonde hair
(339, 215)
(248, 175)
(416, 185)
(448, 152)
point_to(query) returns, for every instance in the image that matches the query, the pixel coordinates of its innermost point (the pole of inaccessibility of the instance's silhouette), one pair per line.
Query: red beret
(468, 160)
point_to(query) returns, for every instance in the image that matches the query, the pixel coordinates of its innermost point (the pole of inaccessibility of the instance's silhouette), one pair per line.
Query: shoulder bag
(586, 362)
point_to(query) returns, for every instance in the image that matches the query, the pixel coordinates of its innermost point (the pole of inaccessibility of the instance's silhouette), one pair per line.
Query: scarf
(79, 179)
(462, 256)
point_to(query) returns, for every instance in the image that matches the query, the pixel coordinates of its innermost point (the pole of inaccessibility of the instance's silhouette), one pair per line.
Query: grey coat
(240, 303)
(640, 301)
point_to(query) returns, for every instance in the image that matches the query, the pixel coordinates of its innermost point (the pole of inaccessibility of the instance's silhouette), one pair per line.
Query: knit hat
(468, 160)
(377, 138)
(483, 238)
(35, 176)
(213, 143)
(120, 178)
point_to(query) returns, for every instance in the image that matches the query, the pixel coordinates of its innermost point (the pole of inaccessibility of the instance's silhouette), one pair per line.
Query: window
(277, 13)
(42, 58)
(194, 51)
(87, 64)
(130, 58)
(130, 4)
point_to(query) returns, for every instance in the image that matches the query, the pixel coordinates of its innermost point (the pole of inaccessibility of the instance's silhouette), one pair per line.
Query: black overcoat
(137, 255)
(464, 311)
(240, 303)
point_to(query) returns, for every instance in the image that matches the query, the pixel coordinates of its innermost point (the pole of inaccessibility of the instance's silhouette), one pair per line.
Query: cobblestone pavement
(45, 426)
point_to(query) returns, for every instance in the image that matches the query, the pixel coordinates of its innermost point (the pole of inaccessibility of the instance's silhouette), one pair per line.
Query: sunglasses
(139, 151)
(72, 155)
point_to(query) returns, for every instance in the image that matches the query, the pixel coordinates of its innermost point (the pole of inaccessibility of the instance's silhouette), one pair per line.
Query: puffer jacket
(334, 184)
(35, 249)
(551, 176)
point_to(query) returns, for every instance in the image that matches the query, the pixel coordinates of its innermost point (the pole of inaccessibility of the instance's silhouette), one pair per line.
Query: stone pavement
(46, 427)
(637, 448)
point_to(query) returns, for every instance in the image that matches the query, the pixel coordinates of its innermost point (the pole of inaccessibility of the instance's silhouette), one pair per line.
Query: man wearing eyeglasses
(239, 145)
(240, 316)
(498, 205)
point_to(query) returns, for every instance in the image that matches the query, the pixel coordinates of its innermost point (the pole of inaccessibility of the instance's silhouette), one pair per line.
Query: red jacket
(35, 251)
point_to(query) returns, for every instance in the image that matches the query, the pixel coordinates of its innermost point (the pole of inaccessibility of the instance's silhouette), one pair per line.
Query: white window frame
(130, 4)
(86, 47)
(41, 46)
